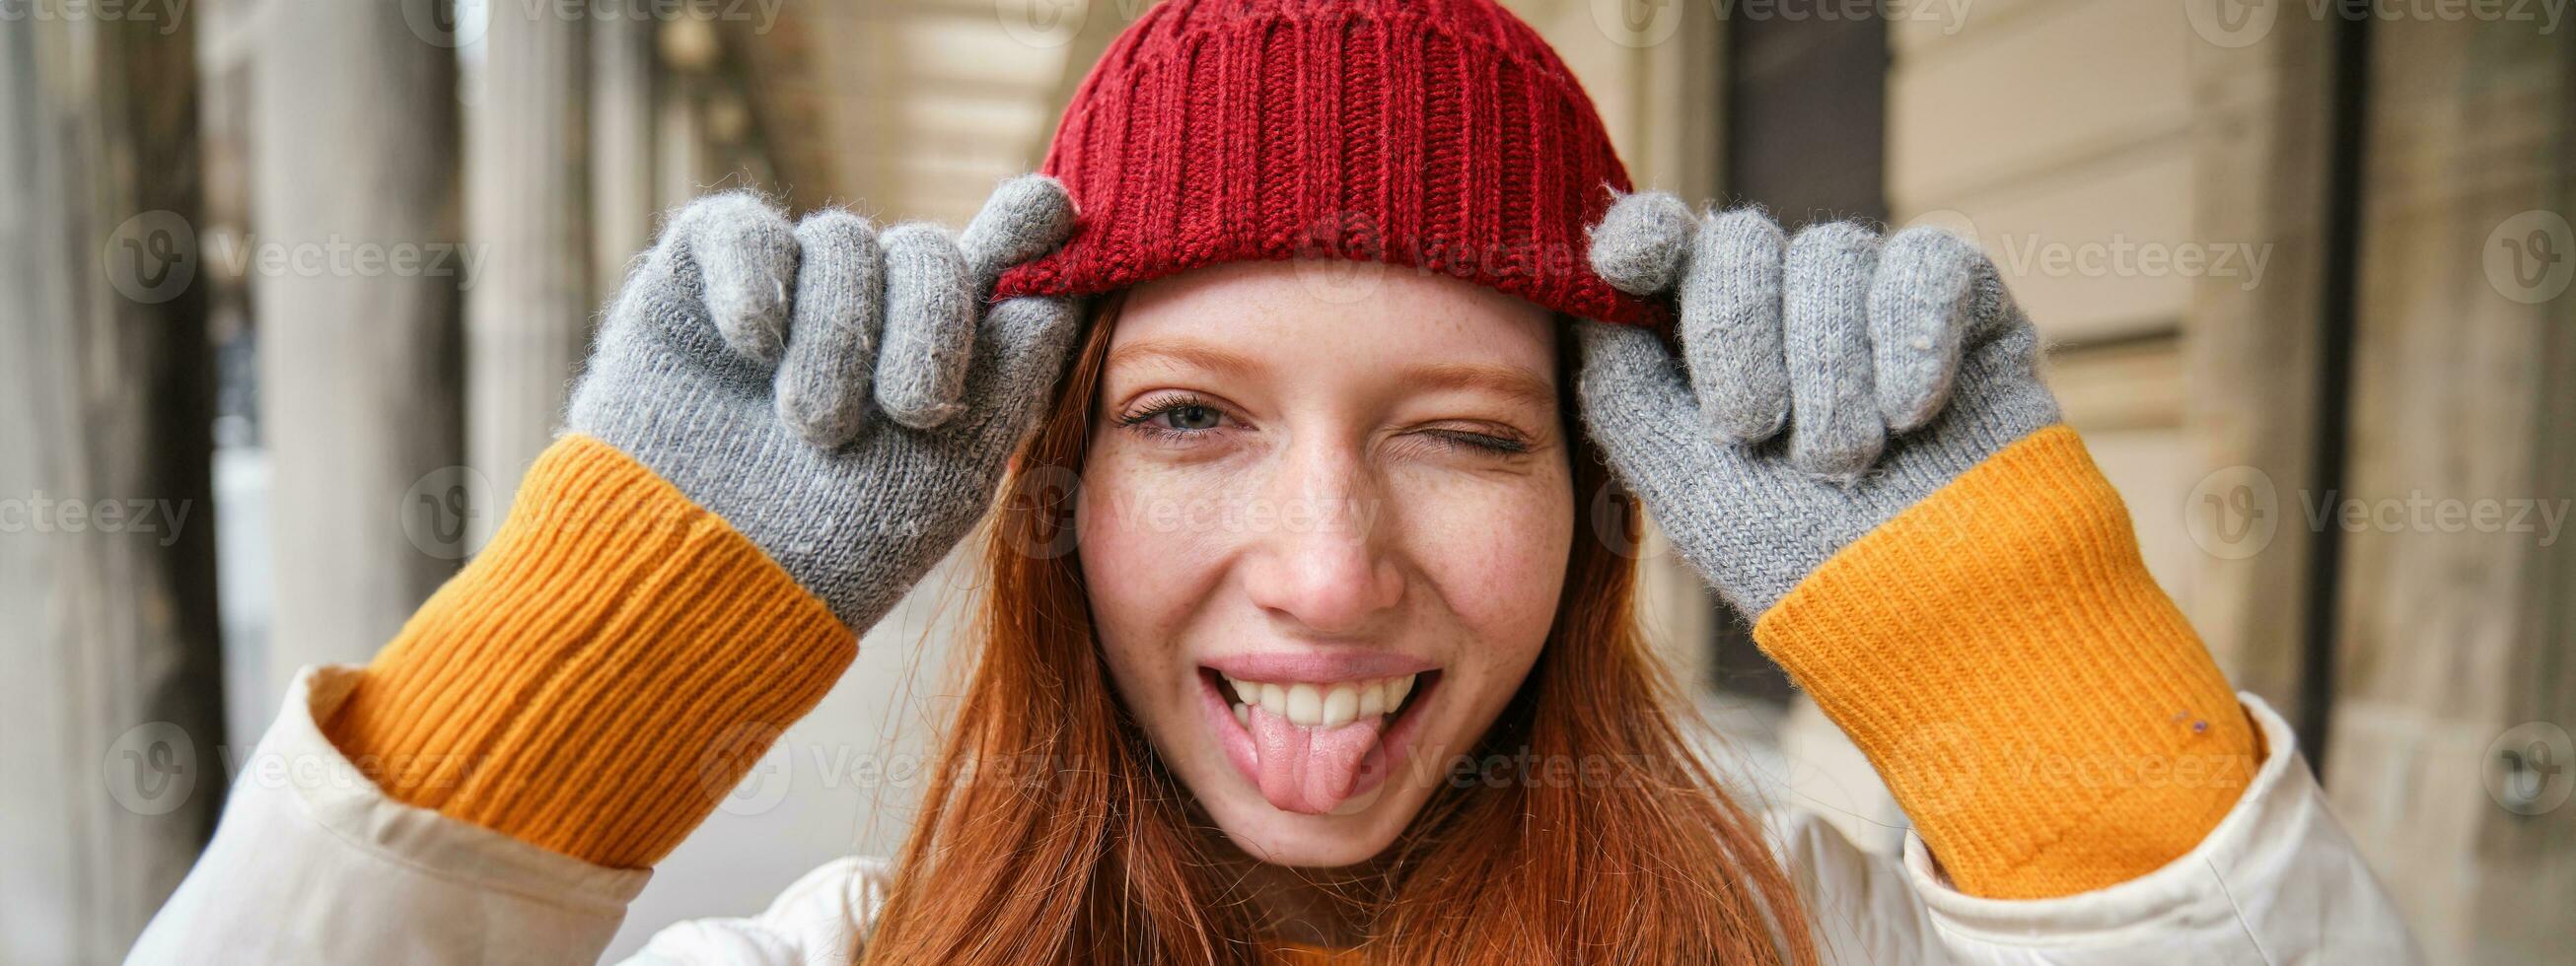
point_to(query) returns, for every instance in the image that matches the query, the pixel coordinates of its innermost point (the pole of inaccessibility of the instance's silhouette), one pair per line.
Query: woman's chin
(1354, 833)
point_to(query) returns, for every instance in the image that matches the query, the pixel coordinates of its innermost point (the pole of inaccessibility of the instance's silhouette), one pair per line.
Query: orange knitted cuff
(2036, 703)
(601, 675)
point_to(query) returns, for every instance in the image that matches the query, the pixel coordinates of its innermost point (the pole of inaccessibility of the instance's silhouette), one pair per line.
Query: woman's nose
(1324, 561)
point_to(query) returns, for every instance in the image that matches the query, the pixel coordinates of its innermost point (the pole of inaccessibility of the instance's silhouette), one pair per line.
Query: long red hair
(1051, 834)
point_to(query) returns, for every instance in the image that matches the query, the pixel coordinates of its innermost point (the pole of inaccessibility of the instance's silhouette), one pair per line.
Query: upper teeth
(1321, 706)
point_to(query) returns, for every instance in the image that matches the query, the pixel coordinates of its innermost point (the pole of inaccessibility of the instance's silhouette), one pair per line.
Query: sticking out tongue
(1310, 770)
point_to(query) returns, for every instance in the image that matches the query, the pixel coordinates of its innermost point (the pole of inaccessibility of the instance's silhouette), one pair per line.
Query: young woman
(1307, 633)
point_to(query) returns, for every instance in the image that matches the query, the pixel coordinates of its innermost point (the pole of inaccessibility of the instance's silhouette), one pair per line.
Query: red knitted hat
(1438, 134)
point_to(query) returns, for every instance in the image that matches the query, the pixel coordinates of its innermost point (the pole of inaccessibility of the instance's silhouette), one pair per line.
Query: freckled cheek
(1146, 569)
(1498, 556)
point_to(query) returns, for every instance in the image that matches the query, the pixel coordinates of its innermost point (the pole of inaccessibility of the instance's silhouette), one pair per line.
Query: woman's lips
(1305, 757)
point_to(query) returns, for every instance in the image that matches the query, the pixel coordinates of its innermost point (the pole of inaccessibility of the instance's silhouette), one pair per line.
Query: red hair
(1051, 833)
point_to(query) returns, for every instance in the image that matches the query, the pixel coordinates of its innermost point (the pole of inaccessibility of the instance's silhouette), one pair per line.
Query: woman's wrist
(601, 675)
(2035, 702)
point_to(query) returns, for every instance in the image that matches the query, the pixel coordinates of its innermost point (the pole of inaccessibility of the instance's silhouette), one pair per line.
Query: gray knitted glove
(840, 396)
(1832, 382)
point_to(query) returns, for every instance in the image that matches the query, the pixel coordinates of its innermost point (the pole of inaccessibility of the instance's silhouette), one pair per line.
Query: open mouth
(1315, 743)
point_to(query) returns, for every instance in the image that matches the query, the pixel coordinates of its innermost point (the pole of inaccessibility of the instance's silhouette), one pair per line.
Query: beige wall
(2065, 123)
(2064, 128)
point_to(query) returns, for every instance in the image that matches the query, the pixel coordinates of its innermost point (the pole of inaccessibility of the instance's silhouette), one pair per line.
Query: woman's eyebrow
(1182, 352)
(1516, 384)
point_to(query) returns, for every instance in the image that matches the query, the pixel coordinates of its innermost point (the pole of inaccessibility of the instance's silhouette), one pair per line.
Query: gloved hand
(843, 397)
(1870, 412)
(1832, 381)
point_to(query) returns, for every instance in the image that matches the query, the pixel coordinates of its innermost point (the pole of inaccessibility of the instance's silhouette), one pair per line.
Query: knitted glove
(1832, 381)
(843, 397)
(1858, 452)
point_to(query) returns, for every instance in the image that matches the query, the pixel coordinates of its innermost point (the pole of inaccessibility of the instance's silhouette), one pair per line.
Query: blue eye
(1175, 417)
(1188, 416)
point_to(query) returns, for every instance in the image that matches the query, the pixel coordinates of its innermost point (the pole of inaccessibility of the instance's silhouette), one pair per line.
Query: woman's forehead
(1269, 314)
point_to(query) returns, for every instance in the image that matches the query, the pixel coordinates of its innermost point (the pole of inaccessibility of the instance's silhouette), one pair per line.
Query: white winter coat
(312, 864)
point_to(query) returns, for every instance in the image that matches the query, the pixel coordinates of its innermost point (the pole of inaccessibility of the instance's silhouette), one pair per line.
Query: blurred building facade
(2304, 278)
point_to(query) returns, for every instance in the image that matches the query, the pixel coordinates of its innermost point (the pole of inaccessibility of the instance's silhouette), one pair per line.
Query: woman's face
(1324, 530)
